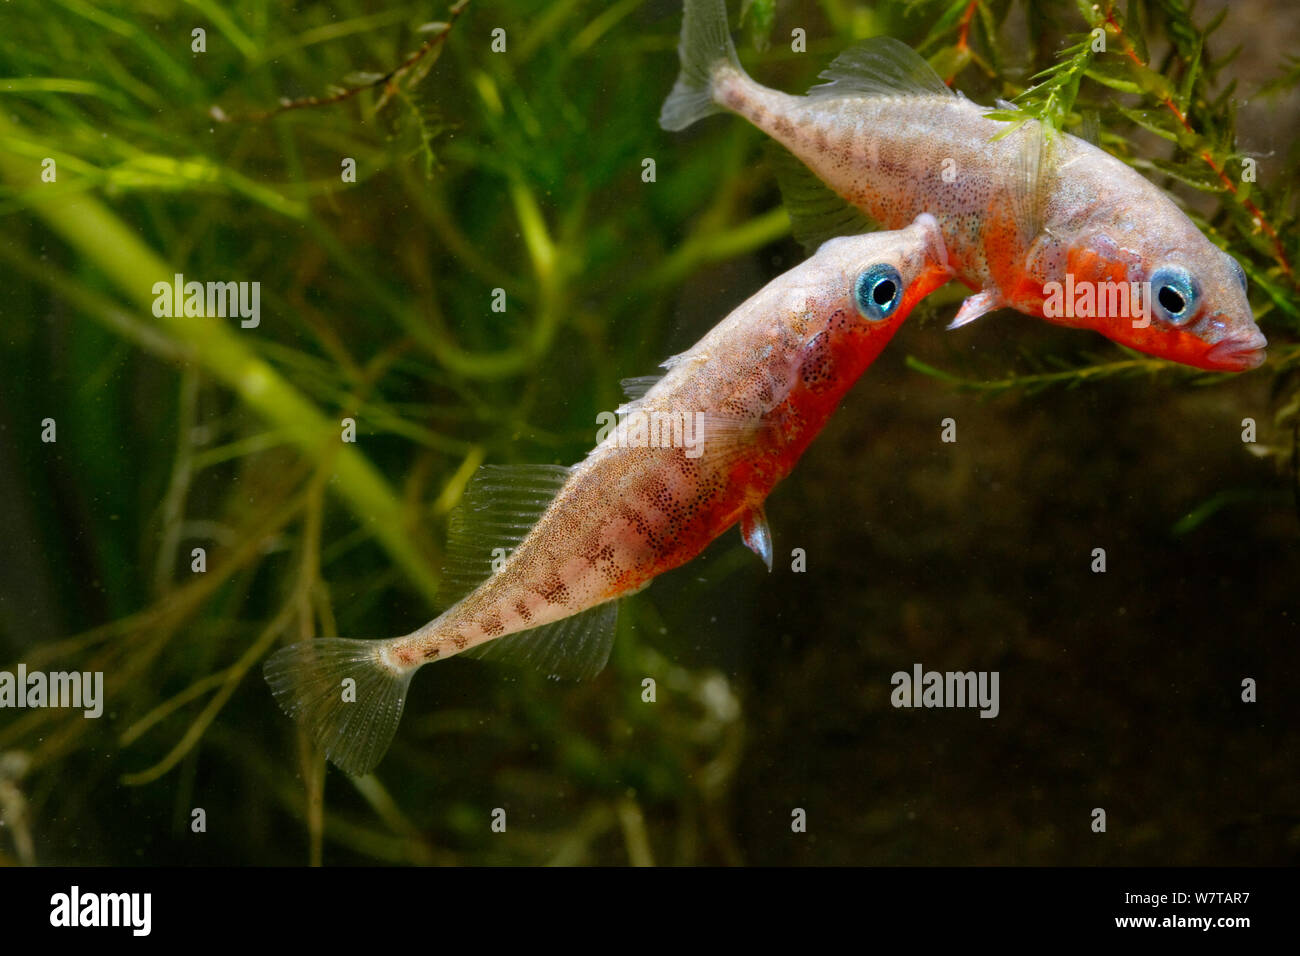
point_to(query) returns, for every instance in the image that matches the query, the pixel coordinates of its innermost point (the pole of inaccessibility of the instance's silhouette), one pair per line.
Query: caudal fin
(705, 42)
(344, 693)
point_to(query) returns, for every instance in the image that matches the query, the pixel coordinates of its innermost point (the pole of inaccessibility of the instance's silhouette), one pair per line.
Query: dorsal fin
(817, 212)
(500, 506)
(880, 66)
(573, 648)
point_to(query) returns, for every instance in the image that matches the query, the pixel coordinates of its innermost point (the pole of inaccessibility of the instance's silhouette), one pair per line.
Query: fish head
(879, 277)
(1191, 296)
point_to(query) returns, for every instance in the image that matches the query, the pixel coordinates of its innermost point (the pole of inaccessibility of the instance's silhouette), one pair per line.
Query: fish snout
(1239, 353)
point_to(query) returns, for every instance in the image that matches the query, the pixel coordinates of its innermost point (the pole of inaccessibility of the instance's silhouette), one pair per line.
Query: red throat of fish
(1130, 325)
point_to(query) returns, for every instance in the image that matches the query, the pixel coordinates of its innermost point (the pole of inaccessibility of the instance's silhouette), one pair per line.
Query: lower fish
(1046, 224)
(694, 453)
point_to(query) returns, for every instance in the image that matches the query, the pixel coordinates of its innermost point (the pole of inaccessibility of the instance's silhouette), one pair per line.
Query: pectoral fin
(721, 439)
(757, 535)
(1031, 180)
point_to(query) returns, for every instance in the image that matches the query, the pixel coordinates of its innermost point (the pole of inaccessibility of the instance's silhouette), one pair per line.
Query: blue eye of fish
(878, 291)
(1175, 294)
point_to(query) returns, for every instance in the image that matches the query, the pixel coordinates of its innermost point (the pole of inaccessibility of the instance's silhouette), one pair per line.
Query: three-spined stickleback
(1023, 211)
(694, 455)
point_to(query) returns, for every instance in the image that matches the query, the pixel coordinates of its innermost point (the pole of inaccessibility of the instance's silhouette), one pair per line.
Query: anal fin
(572, 648)
(817, 212)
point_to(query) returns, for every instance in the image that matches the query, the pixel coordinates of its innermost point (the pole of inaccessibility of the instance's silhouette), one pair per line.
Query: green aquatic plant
(494, 190)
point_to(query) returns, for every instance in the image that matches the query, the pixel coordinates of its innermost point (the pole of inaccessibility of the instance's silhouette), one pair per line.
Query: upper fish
(1034, 220)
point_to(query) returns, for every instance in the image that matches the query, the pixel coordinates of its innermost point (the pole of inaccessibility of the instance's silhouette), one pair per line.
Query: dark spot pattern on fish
(554, 590)
(817, 368)
(604, 561)
(635, 520)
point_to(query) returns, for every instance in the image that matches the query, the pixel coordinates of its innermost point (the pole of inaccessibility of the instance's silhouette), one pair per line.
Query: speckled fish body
(758, 388)
(1022, 213)
(734, 414)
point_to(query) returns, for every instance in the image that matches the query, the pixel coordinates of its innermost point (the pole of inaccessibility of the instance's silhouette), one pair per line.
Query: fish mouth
(1240, 353)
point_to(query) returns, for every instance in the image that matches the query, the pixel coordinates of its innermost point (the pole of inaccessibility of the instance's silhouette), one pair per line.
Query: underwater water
(462, 260)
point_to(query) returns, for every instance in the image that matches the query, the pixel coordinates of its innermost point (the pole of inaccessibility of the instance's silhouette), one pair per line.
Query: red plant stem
(963, 34)
(1260, 222)
(966, 19)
